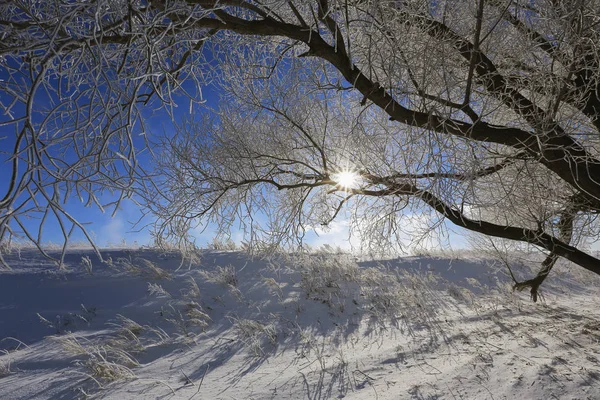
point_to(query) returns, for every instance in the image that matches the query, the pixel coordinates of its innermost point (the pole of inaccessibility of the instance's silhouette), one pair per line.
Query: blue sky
(118, 229)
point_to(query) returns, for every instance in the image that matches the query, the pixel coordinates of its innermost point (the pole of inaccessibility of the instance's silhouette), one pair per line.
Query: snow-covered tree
(484, 112)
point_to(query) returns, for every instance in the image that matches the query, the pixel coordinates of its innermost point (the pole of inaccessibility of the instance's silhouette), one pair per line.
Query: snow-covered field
(291, 326)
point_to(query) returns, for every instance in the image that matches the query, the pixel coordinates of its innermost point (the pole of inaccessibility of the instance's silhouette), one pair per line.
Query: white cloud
(416, 235)
(336, 234)
(113, 232)
(120, 231)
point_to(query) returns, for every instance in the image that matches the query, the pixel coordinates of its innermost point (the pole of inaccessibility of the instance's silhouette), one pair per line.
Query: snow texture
(292, 326)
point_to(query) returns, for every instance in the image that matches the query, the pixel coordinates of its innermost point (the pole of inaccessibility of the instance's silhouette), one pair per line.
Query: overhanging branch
(536, 237)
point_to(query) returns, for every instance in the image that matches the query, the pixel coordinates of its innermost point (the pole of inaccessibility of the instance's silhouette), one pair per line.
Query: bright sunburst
(346, 179)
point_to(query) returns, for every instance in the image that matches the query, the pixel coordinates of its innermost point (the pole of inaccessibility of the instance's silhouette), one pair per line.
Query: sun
(346, 179)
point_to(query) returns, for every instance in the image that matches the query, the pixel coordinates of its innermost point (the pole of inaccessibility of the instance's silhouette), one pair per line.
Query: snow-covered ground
(317, 326)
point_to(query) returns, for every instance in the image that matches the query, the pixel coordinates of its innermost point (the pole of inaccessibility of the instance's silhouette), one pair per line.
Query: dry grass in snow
(293, 326)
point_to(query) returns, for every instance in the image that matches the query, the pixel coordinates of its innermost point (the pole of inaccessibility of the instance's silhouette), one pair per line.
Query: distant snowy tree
(484, 112)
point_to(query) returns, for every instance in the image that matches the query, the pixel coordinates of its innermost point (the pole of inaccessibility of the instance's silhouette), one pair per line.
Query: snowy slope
(291, 326)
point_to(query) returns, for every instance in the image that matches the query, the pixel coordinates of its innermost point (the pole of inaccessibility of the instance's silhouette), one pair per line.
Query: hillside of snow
(291, 326)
